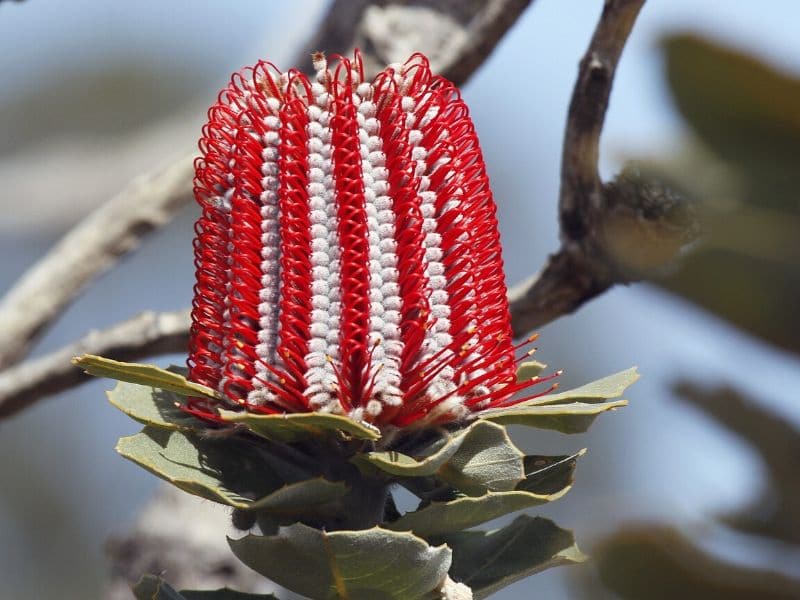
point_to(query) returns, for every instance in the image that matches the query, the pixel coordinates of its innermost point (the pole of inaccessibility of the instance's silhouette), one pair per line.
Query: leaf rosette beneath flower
(327, 471)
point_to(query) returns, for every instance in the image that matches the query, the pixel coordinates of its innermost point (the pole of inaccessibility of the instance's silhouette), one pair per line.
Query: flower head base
(348, 257)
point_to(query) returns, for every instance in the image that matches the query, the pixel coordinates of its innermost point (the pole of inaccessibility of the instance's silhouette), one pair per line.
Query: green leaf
(575, 417)
(224, 471)
(151, 587)
(549, 474)
(298, 498)
(488, 561)
(660, 563)
(572, 411)
(152, 406)
(548, 479)
(149, 375)
(745, 269)
(612, 386)
(467, 511)
(529, 370)
(297, 426)
(748, 113)
(480, 458)
(373, 564)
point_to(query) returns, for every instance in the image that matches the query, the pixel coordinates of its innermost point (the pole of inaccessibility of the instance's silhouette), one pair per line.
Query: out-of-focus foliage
(747, 116)
(776, 513)
(745, 180)
(658, 563)
(115, 101)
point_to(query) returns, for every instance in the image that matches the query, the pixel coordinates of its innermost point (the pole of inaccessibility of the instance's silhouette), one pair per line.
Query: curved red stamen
(348, 255)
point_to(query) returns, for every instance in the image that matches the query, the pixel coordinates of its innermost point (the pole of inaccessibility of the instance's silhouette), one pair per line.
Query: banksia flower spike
(351, 335)
(348, 257)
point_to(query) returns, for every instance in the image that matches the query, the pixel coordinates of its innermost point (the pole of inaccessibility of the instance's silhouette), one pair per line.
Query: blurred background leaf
(741, 169)
(747, 116)
(659, 563)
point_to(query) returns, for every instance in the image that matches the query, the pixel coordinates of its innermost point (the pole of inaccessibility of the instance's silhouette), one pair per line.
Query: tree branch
(86, 251)
(457, 36)
(183, 537)
(584, 266)
(581, 189)
(146, 334)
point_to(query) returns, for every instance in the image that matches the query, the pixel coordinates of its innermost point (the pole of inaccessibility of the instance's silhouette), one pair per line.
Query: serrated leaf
(223, 471)
(140, 374)
(575, 417)
(151, 587)
(548, 479)
(488, 561)
(373, 564)
(480, 458)
(152, 406)
(529, 370)
(298, 426)
(612, 386)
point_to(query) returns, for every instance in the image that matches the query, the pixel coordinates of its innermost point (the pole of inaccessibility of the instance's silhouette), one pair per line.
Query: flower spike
(348, 256)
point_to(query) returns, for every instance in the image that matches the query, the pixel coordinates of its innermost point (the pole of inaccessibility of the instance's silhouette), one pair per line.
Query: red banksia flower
(348, 257)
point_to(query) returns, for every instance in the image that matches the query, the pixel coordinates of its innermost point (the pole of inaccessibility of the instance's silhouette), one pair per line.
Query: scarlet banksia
(348, 257)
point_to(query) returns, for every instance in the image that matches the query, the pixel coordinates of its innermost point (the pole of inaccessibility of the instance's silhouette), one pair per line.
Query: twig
(457, 36)
(568, 280)
(581, 189)
(483, 33)
(183, 537)
(146, 334)
(88, 250)
(581, 269)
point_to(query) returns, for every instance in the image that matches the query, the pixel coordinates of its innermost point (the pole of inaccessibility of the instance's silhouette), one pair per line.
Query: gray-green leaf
(373, 564)
(574, 417)
(488, 561)
(529, 370)
(297, 426)
(467, 511)
(572, 411)
(152, 406)
(612, 386)
(224, 471)
(149, 375)
(480, 458)
(548, 478)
